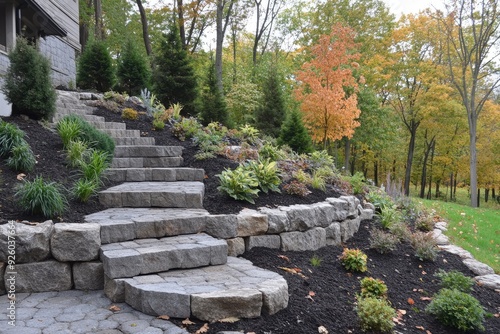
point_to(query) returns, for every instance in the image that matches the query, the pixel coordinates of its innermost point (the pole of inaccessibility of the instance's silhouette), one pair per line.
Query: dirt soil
(331, 289)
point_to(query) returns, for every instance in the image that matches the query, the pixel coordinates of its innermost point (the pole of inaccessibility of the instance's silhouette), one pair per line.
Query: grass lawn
(476, 230)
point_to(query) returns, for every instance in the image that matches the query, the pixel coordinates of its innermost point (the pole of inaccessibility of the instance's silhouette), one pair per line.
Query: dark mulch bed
(333, 303)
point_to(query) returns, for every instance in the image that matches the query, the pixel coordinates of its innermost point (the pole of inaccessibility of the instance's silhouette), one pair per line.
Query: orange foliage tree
(327, 87)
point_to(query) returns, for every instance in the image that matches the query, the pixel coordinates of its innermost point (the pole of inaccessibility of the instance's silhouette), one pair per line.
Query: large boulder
(42, 276)
(301, 241)
(251, 222)
(277, 219)
(76, 242)
(88, 275)
(32, 242)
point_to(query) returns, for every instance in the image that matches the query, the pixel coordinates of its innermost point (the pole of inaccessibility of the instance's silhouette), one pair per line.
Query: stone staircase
(156, 252)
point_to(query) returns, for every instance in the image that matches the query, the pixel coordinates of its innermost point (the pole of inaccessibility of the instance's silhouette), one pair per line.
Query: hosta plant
(267, 174)
(354, 260)
(239, 183)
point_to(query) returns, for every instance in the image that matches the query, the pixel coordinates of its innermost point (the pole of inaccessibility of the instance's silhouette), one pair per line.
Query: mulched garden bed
(330, 288)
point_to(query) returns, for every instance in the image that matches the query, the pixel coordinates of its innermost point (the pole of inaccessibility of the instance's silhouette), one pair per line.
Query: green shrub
(389, 216)
(296, 188)
(373, 288)
(186, 128)
(214, 108)
(382, 241)
(239, 183)
(130, 114)
(303, 177)
(354, 260)
(68, 129)
(83, 189)
(425, 246)
(379, 199)
(375, 315)
(41, 197)
(75, 152)
(27, 82)
(294, 134)
(95, 67)
(271, 152)
(455, 280)
(320, 159)
(424, 222)
(209, 142)
(267, 174)
(401, 231)
(132, 70)
(22, 158)
(10, 136)
(329, 174)
(457, 309)
(93, 164)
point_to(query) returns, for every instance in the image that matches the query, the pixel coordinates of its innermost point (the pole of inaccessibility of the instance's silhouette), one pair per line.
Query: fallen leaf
(229, 320)
(163, 317)
(203, 329)
(284, 257)
(21, 176)
(411, 301)
(424, 272)
(187, 322)
(114, 308)
(496, 315)
(420, 327)
(425, 298)
(312, 293)
(402, 312)
(322, 330)
(297, 270)
(310, 298)
(428, 332)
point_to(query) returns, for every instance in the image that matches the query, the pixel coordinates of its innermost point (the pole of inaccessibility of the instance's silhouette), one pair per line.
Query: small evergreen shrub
(239, 183)
(455, 280)
(425, 246)
(383, 242)
(131, 114)
(267, 174)
(354, 260)
(28, 85)
(214, 107)
(294, 134)
(84, 189)
(373, 288)
(41, 197)
(296, 188)
(375, 315)
(132, 70)
(22, 158)
(95, 67)
(10, 136)
(457, 309)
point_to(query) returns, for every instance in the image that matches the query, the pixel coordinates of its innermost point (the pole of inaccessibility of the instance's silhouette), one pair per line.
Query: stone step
(146, 256)
(146, 162)
(122, 224)
(154, 174)
(89, 118)
(134, 151)
(134, 141)
(108, 125)
(117, 133)
(235, 289)
(181, 194)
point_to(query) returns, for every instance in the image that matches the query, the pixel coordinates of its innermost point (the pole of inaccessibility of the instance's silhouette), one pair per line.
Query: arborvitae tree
(95, 67)
(294, 133)
(173, 76)
(132, 70)
(270, 115)
(27, 82)
(213, 105)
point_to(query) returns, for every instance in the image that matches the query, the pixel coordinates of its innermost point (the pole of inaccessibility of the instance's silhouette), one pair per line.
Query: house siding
(65, 13)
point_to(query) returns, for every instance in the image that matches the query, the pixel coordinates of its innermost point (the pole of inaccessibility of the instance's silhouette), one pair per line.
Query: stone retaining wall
(63, 256)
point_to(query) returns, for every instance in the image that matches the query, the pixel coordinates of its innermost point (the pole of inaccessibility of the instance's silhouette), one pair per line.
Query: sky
(410, 6)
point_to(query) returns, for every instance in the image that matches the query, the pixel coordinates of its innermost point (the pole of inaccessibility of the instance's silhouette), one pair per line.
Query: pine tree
(27, 82)
(95, 68)
(270, 115)
(214, 107)
(132, 70)
(173, 75)
(294, 133)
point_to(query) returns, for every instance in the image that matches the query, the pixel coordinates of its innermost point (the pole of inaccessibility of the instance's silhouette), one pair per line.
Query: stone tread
(180, 194)
(108, 125)
(134, 151)
(154, 174)
(146, 162)
(134, 141)
(117, 133)
(122, 224)
(145, 256)
(235, 289)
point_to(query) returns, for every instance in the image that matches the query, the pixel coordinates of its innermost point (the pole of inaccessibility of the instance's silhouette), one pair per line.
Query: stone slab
(32, 242)
(301, 241)
(42, 276)
(88, 275)
(267, 241)
(75, 242)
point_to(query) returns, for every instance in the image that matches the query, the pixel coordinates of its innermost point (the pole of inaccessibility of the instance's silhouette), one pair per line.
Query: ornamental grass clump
(21, 158)
(425, 246)
(457, 309)
(41, 197)
(354, 260)
(10, 136)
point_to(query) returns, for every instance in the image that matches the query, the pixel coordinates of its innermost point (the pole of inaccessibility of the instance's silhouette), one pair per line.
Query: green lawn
(476, 230)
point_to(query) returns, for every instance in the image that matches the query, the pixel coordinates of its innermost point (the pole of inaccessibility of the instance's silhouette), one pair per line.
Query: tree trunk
(347, 153)
(409, 160)
(375, 172)
(474, 200)
(218, 44)
(451, 186)
(455, 185)
(493, 193)
(478, 197)
(145, 30)
(486, 194)
(99, 28)
(182, 29)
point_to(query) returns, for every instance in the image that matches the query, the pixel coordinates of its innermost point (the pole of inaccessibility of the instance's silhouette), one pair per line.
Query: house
(52, 24)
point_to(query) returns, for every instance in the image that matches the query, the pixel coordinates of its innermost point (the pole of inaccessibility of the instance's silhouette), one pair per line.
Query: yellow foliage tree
(327, 87)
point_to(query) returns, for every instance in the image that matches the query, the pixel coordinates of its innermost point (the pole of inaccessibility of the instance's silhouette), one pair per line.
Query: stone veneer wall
(4, 63)
(63, 60)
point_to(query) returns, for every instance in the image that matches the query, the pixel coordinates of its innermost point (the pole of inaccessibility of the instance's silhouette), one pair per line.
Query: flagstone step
(133, 151)
(146, 162)
(123, 224)
(235, 289)
(134, 141)
(154, 174)
(181, 194)
(117, 133)
(146, 256)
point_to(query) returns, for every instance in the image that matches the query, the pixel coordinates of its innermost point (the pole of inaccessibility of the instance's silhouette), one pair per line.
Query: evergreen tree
(95, 68)
(270, 115)
(213, 105)
(173, 76)
(132, 70)
(27, 82)
(294, 133)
